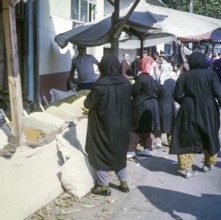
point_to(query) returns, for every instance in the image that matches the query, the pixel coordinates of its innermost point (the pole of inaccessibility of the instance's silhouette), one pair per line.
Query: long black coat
(109, 122)
(145, 110)
(197, 122)
(167, 106)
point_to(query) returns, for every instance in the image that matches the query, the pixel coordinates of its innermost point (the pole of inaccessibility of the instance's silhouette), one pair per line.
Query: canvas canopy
(146, 22)
(133, 42)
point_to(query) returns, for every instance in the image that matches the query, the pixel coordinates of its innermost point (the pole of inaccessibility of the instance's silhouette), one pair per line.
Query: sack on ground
(77, 176)
(57, 95)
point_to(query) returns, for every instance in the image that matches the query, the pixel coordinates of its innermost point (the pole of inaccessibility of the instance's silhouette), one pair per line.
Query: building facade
(43, 65)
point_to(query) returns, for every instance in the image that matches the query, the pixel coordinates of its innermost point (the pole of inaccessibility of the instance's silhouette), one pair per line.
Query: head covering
(147, 64)
(165, 73)
(109, 65)
(197, 60)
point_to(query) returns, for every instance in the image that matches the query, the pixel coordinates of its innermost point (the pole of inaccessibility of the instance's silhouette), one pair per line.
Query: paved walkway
(157, 191)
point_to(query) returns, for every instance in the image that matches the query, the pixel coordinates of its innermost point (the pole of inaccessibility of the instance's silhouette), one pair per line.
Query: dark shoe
(101, 190)
(124, 189)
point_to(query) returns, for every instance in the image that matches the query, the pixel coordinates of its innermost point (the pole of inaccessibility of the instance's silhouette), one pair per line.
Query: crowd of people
(214, 63)
(124, 115)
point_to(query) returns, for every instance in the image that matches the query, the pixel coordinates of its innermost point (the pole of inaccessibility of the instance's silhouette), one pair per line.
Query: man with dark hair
(84, 64)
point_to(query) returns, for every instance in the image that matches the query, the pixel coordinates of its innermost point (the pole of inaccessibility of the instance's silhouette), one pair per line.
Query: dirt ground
(89, 207)
(158, 190)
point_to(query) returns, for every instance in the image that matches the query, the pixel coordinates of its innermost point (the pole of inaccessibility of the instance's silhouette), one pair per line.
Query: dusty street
(157, 191)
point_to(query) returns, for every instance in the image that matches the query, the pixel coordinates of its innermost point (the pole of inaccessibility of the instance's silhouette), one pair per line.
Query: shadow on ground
(161, 164)
(205, 207)
(158, 164)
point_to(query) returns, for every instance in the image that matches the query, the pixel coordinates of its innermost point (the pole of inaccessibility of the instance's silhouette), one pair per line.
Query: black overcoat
(197, 123)
(109, 122)
(167, 106)
(145, 110)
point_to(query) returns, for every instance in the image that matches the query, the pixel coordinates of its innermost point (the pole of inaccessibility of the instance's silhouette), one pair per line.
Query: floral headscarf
(147, 64)
(150, 67)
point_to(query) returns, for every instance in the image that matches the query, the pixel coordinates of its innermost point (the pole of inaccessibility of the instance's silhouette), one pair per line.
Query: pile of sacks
(53, 159)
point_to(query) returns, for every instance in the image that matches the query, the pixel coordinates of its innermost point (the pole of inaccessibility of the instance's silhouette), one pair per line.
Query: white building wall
(98, 51)
(51, 58)
(55, 18)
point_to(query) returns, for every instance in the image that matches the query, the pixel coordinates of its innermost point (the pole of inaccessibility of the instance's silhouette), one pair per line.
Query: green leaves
(210, 8)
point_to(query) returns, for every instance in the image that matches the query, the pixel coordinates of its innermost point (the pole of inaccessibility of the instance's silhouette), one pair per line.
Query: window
(83, 10)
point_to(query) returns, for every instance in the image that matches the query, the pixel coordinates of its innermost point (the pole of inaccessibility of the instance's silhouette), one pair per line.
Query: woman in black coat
(197, 123)
(145, 111)
(109, 124)
(166, 101)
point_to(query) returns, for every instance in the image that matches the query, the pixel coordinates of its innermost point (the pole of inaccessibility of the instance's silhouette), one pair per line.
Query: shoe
(101, 190)
(130, 154)
(124, 189)
(145, 152)
(207, 167)
(190, 173)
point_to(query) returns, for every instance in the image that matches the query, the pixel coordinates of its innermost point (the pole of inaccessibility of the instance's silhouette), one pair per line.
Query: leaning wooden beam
(117, 31)
(112, 3)
(13, 72)
(124, 21)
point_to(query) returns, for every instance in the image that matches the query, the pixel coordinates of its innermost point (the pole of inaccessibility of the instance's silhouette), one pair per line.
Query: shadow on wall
(57, 80)
(54, 65)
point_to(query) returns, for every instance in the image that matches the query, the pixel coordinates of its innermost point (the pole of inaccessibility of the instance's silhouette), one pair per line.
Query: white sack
(57, 95)
(38, 124)
(59, 123)
(29, 180)
(3, 139)
(77, 176)
(60, 113)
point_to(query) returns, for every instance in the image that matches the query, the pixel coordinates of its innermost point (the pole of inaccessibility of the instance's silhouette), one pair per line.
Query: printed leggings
(185, 161)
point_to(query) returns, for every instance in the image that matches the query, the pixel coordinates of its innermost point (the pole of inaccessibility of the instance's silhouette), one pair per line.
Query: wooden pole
(115, 19)
(124, 21)
(13, 72)
(117, 31)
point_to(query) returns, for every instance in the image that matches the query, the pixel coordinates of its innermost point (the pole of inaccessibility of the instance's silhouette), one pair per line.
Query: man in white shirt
(84, 64)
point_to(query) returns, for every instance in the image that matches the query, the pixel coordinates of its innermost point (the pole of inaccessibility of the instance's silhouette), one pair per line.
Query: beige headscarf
(165, 72)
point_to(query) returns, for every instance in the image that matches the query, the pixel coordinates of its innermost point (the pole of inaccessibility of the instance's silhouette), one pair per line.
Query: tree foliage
(210, 8)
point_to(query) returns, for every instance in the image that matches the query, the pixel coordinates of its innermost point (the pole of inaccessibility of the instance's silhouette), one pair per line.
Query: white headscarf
(165, 72)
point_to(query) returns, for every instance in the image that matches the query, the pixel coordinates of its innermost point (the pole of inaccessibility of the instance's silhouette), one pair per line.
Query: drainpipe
(35, 51)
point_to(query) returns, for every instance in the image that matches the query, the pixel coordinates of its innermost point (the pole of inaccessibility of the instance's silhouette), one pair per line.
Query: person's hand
(85, 111)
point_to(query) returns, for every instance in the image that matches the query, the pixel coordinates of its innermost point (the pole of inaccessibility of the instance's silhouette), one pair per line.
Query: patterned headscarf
(147, 65)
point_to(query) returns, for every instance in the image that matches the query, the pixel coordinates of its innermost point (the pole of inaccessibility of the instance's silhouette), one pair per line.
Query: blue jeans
(102, 177)
(83, 86)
